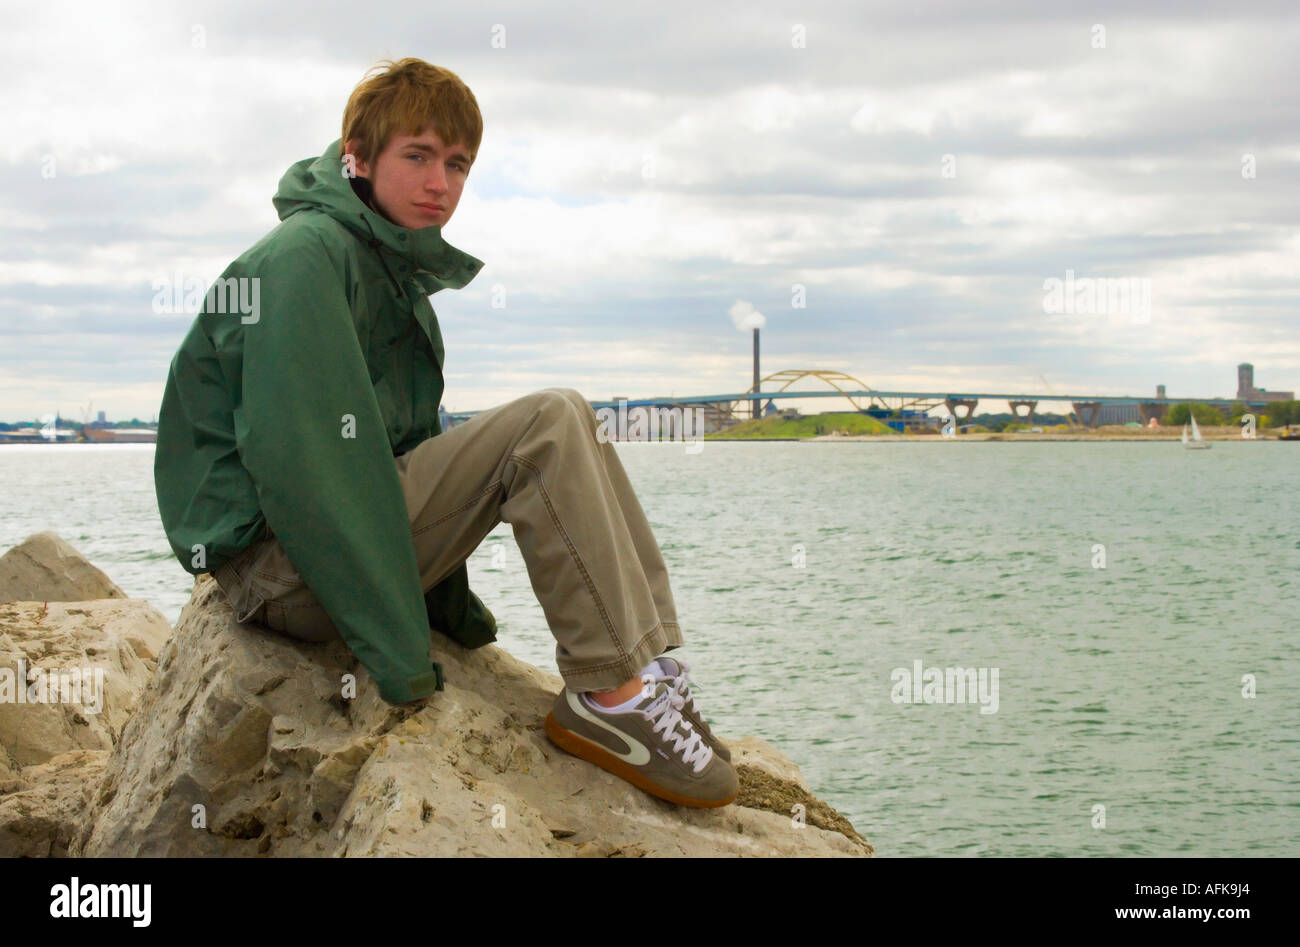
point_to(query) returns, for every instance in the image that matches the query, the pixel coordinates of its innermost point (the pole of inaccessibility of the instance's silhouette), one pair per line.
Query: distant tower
(1160, 391)
(1245, 380)
(756, 403)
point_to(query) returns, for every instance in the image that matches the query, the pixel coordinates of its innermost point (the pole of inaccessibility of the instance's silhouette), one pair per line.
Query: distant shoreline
(997, 438)
(42, 443)
(980, 437)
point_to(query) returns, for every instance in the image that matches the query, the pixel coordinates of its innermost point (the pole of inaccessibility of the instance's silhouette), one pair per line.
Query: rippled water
(1118, 687)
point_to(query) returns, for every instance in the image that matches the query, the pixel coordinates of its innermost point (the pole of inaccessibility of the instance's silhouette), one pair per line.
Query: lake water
(1123, 592)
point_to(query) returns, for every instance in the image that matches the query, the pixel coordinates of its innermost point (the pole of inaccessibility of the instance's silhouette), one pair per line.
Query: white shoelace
(681, 685)
(666, 712)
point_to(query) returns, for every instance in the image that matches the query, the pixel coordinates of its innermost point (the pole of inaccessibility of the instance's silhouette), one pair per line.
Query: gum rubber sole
(584, 749)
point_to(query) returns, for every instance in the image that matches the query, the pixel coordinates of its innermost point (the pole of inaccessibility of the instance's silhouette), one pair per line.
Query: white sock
(622, 708)
(654, 667)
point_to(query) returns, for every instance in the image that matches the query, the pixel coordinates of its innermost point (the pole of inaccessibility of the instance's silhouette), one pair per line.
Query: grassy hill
(847, 422)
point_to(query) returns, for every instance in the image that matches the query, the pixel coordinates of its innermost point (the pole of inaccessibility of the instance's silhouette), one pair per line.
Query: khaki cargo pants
(536, 464)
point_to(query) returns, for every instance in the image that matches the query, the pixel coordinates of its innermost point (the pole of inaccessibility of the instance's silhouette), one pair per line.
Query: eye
(416, 155)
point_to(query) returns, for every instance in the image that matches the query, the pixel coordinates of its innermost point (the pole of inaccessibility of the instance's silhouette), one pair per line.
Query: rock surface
(71, 674)
(103, 652)
(44, 568)
(244, 745)
(42, 810)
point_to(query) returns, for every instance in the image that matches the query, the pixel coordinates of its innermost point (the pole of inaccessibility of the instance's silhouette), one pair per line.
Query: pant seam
(594, 668)
(277, 577)
(288, 605)
(244, 560)
(467, 505)
(573, 551)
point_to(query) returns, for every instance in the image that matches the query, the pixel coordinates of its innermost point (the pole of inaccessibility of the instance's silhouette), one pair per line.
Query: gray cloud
(774, 166)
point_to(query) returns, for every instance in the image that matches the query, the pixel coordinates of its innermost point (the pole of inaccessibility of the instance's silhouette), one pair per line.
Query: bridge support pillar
(1150, 409)
(1089, 412)
(952, 404)
(1029, 407)
(721, 413)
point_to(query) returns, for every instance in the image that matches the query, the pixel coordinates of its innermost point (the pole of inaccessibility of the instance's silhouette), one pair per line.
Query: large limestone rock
(44, 808)
(86, 665)
(71, 674)
(44, 568)
(242, 745)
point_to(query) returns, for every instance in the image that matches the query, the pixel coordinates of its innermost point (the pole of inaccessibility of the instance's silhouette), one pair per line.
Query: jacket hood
(320, 184)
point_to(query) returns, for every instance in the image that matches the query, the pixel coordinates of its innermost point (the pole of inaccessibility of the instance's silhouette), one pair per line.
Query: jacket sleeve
(310, 433)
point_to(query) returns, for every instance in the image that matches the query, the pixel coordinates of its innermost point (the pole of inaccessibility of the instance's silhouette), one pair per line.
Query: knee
(574, 397)
(564, 401)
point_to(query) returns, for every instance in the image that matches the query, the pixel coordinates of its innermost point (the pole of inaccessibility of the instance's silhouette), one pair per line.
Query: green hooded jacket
(314, 361)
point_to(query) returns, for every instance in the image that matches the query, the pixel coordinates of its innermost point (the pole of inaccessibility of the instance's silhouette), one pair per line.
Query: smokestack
(745, 316)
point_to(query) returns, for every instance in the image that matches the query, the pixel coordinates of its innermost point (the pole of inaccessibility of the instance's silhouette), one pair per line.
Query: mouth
(432, 210)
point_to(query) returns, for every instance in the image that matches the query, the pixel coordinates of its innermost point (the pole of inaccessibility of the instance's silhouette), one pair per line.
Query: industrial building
(1246, 390)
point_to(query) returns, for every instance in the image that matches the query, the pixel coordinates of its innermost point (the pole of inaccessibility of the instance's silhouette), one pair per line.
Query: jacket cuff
(413, 688)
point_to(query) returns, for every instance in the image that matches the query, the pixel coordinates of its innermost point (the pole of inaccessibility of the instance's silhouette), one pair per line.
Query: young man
(301, 461)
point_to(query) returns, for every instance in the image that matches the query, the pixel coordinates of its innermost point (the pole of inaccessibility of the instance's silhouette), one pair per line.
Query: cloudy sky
(920, 170)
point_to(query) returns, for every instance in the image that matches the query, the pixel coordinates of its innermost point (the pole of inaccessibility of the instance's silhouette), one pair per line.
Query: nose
(437, 179)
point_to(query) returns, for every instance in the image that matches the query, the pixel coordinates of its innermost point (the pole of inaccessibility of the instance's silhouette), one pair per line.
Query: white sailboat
(1196, 442)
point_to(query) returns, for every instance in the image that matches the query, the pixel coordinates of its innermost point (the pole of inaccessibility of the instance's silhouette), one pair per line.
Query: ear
(363, 168)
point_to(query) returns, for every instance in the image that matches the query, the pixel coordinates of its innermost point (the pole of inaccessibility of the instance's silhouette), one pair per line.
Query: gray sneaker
(679, 680)
(651, 746)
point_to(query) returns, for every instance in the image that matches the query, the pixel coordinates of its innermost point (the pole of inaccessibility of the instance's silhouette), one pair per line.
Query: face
(417, 180)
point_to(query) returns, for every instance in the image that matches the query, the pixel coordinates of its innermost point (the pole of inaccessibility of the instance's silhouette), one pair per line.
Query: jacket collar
(321, 183)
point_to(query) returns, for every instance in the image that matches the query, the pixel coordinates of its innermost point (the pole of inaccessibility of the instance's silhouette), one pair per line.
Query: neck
(366, 192)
